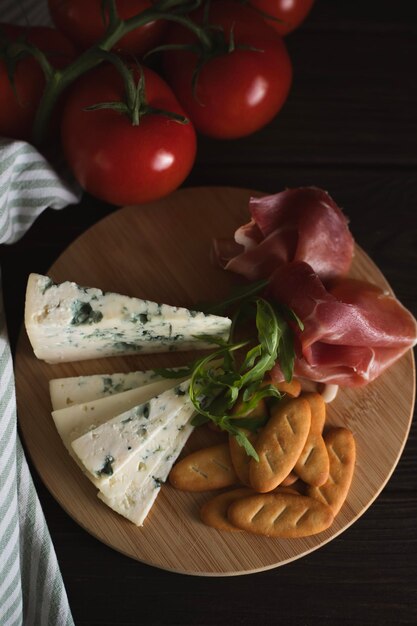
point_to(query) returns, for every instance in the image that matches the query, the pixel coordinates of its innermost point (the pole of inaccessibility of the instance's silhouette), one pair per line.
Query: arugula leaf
(250, 423)
(243, 441)
(240, 293)
(169, 373)
(215, 392)
(269, 332)
(217, 341)
(217, 381)
(251, 398)
(199, 420)
(287, 354)
(287, 312)
(266, 323)
(251, 357)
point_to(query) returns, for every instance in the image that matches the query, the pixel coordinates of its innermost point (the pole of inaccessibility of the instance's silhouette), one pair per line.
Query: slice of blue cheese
(74, 421)
(145, 463)
(137, 500)
(65, 392)
(67, 322)
(106, 449)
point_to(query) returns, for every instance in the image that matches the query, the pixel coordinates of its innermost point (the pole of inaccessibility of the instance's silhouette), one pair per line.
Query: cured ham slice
(300, 240)
(302, 224)
(352, 331)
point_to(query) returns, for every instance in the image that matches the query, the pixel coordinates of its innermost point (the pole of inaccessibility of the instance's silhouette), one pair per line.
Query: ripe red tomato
(19, 101)
(291, 13)
(82, 22)
(236, 92)
(118, 162)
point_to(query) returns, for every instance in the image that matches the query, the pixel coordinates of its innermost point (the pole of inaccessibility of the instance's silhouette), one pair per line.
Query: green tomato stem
(59, 80)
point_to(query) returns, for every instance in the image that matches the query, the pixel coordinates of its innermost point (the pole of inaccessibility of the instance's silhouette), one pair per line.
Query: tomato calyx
(220, 45)
(171, 10)
(135, 106)
(211, 42)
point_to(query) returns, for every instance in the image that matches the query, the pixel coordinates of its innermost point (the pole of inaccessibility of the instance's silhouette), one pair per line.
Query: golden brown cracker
(313, 464)
(280, 515)
(341, 448)
(214, 512)
(282, 489)
(291, 388)
(289, 480)
(318, 409)
(279, 444)
(208, 468)
(240, 458)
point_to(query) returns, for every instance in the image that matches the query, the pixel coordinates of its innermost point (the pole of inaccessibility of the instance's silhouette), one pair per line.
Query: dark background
(349, 126)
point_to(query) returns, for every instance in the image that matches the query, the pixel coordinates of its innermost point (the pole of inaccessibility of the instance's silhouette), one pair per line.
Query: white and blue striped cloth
(31, 587)
(27, 186)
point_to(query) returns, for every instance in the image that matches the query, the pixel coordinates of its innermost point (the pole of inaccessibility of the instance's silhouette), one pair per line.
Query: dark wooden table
(349, 126)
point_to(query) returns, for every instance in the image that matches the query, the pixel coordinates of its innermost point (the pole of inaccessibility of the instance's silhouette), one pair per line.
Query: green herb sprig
(214, 391)
(229, 374)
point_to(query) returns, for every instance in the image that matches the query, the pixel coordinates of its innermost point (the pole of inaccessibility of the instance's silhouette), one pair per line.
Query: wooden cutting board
(161, 252)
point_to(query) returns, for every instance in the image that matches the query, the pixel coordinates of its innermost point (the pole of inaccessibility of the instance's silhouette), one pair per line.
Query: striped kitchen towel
(27, 186)
(31, 586)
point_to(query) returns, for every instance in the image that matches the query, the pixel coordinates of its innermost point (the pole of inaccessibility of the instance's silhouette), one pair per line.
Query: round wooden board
(161, 252)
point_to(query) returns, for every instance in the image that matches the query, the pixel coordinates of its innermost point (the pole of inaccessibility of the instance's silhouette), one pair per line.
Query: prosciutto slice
(302, 224)
(352, 331)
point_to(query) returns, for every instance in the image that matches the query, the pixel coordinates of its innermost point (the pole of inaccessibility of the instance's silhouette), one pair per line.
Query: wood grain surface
(350, 127)
(132, 253)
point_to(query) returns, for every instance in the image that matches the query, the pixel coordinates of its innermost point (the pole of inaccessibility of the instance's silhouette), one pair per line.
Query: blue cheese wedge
(137, 500)
(131, 491)
(145, 463)
(67, 322)
(74, 421)
(65, 392)
(107, 448)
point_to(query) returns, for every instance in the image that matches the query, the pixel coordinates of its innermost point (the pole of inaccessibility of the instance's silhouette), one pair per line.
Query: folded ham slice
(352, 331)
(302, 224)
